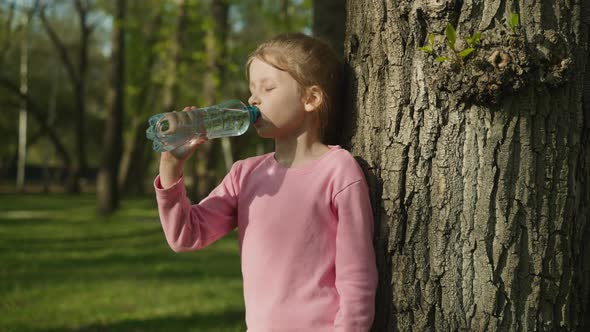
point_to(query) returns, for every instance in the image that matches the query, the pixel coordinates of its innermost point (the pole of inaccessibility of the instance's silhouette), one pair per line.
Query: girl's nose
(253, 100)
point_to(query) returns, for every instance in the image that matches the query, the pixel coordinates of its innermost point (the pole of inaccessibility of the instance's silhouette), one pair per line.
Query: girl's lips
(258, 121)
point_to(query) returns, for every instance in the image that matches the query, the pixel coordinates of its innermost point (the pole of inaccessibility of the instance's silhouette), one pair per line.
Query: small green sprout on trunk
(513, 21)
(428, 48)
(457, 56)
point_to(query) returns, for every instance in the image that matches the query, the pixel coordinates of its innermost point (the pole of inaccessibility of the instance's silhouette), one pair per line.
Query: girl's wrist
(170, 170)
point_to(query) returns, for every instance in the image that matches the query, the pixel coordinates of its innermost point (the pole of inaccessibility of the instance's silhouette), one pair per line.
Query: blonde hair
(310, 61)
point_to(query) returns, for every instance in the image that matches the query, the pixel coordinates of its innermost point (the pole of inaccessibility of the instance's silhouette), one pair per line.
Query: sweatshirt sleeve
(191, 227)
(356, 271)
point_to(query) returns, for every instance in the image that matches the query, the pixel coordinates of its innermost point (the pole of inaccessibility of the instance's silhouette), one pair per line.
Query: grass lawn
(63, 268)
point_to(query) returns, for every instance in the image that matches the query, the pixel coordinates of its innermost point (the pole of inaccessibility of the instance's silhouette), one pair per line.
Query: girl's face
(277, 95)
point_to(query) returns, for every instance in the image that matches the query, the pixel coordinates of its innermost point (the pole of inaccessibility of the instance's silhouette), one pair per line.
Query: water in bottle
(173, 129)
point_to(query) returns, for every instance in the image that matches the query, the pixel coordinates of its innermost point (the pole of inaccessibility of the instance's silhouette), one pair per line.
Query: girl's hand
(172, 162)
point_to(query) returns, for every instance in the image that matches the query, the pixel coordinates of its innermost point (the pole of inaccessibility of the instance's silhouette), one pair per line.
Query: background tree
(329, 22)
(144, 33)
(107, 180)
(47, 99)
(216, 28)
(77, 73)
(42, 121)
(480, 164)
(159, 75)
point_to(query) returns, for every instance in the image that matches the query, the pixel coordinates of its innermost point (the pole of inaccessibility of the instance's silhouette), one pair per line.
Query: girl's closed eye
(267, 89)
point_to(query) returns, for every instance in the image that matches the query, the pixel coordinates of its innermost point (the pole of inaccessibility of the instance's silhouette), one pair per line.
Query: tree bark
(107, 181)
(478, 168)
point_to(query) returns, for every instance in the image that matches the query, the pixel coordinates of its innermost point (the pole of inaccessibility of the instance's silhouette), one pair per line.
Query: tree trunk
(135, 159)
(80, 111)
(107, 181)
(171, 81)
(22, 123)
(285, 14)
(215, 44)
(478, 166)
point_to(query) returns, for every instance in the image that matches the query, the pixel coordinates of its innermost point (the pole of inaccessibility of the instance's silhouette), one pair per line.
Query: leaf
(441, 59)
(513, 20)
(477, 37)
(451, 35)
(466, 52)
(427, 49)
(474, 40)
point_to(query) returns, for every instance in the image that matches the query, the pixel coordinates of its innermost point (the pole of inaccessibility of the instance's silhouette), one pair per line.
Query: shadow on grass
(143, 255)
(38, 201)
(54, 249)
(231, 320)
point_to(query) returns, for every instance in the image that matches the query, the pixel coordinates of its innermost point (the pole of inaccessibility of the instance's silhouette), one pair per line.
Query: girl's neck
(297, 151)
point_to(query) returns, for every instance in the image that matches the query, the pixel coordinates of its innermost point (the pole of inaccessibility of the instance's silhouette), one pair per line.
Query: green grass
(63, 268)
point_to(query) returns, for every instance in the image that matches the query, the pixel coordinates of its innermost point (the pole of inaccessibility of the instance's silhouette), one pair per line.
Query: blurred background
(81, 247)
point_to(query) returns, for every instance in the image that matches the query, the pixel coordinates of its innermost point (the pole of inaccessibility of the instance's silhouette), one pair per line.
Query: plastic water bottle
(173, 129)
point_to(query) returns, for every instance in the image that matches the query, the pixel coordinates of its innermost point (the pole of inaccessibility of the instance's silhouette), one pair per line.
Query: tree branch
(82, 9)
(11, 86)
(41, 119)
(59, 45)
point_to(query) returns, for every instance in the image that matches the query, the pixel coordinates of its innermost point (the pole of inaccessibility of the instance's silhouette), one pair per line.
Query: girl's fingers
(175, 119)
(185, 117)
(198, 141)
(191, 115)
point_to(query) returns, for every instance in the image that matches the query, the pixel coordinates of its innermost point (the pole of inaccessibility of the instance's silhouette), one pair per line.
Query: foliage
(71, 271)
(457, 55)
(251, 21)
(513, 21)
(428, 48)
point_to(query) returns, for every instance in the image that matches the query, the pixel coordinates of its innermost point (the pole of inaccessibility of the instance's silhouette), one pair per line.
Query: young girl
(303, 213)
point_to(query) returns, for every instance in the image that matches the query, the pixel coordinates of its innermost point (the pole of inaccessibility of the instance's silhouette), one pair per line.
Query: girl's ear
(313, 98)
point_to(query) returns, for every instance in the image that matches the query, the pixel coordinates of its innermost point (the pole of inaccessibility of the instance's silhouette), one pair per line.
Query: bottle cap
(254, 113)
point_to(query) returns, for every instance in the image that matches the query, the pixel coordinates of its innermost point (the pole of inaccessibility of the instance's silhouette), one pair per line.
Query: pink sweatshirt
(305, 237)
